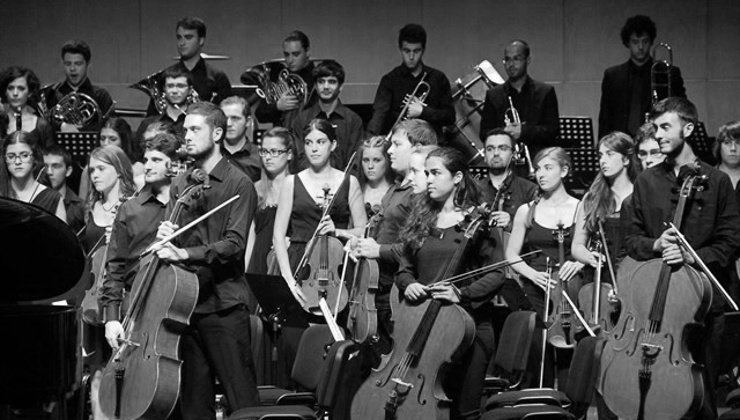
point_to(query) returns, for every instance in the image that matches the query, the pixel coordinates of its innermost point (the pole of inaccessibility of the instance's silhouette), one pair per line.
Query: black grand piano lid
(40, 256)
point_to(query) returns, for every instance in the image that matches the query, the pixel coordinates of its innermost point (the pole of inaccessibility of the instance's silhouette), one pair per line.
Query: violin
(362, 320)
(594, 298)
(428, 335)
(142, 377)
(646, 368)
(561, 331)
(319, 275)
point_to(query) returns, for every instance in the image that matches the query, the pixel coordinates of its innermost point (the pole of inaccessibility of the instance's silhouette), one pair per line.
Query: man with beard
(329, 78)
(237, 146)
(390, 98)
(217, 341)
(76, 56)
(711, 223)
(211, 84)
(535, 102)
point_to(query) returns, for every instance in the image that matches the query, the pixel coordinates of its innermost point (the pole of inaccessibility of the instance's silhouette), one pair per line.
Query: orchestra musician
(211, 84)
(376, 176)
(20, 94)
(626, 88)
(389, 101)
(238, 147)
(395, 208)
(25, 166)
(417, 176)
(712, 228)
(297, 55)
(328, 78)
(299, 212)
(534, 227)
(535, 102)
(134, 229)
(434, 227)
(648, 149)
(58, 164)
(76, 57)
(217, 341)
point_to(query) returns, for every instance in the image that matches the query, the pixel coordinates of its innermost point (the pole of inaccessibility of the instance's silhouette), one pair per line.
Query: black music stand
(701, 144)
(79, 145)
(478, 172)
(576, 132)
(584, 170)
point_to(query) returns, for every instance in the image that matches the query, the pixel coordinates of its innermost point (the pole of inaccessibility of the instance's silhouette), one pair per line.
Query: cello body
(447, 331)
(95, 268)
(362, 320)
(606, 308)
(143, 380)
(652, 375)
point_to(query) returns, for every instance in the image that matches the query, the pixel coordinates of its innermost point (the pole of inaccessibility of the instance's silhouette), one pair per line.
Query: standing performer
(390, 98)
(535, 227)
(238, 147)
(536, 103)
(626, 94)
(211, 84)
(59, 163)
(134, 229)
(217, 342)
(434, 228)
(19, 88)
(711, 225)
(76, 56)
(376, 176)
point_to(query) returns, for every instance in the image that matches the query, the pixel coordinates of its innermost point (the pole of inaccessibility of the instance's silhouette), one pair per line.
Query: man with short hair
(59, 167)
(237, 146)
(76, 57)
(297, 55)
(211, 84)
(217, 342)
(394, 87)
(625, 90)
(178, 87)
(535, 102)
(711, 224)
(329, 78)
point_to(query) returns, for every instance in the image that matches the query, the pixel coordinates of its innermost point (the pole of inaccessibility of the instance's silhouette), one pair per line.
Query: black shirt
(56, 92)
(216, 246)
(399, 82)
(516, 191)
(75, 208)
(246, 159)
(269, 113)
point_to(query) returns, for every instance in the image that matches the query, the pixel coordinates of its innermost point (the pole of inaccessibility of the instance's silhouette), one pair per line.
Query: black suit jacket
(616, 95)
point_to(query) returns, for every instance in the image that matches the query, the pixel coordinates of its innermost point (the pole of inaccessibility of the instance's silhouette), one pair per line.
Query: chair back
(309, 359)
(515, 341)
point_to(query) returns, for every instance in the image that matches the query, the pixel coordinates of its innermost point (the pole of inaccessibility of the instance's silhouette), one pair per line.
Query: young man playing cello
(711, 222)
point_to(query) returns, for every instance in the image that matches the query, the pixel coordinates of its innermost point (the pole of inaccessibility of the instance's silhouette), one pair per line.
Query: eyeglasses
(518, 59)
(501, 148)
(272, 152)
(24, 157)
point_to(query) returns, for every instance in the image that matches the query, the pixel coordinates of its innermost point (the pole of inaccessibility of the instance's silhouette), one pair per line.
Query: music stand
(584, 170)
(79, 145)
(700, 143)
(576, 132)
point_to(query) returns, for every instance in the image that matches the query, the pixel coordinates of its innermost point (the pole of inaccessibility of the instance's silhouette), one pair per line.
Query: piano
(41, 263)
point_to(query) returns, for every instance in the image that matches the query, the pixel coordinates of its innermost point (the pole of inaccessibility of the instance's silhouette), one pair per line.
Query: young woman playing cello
(299, 212)
(434, 229)
(536, 225)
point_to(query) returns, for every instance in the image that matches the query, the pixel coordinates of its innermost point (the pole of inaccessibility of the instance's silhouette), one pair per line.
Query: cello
(142, 377)
(600, 316)
(647, 370)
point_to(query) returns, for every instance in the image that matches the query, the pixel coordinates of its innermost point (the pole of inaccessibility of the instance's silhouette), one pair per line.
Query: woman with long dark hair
(20, 95)
(434, 230)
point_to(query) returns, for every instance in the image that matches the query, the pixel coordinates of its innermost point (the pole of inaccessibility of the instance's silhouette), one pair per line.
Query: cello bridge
(406, 385)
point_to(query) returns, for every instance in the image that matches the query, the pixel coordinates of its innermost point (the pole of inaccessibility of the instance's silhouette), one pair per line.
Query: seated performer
(296, 52)
(58, 168)
(626, 94)
(25, 167)
(432, 232)
(238, 147)
(134, 229)
(76, 56)
(437, 109)
(216, 343)
(19, 88)
(329, 78)
(712, 228)
(535, 102)
(211, 84)
(535, 227)
(648, 149)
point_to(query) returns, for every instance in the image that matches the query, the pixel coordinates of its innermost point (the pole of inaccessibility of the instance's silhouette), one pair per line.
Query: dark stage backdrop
(572, 41)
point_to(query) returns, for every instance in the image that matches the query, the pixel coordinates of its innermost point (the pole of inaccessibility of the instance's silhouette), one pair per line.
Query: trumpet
(660, 73)
(511, 115)
(420, 93)
(521, 157)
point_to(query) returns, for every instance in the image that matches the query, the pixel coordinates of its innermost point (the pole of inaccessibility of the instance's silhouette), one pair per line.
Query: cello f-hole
(420, 389)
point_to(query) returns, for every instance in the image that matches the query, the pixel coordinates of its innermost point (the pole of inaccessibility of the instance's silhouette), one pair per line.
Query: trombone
(660, 73)
(420, 93)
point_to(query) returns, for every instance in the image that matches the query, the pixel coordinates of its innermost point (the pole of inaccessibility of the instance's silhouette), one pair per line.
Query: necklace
(111, 209)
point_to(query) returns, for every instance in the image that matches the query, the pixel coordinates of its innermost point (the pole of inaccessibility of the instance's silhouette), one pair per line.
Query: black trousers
(472, 373)
(217, 345)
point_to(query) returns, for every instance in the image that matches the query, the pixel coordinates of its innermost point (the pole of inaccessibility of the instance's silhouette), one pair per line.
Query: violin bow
(609, 263)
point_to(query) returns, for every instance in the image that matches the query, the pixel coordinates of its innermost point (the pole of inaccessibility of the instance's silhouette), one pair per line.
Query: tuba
(287, 83)
(77, 109)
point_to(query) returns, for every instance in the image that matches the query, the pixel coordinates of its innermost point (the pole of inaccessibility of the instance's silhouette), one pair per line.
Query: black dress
(264, 221)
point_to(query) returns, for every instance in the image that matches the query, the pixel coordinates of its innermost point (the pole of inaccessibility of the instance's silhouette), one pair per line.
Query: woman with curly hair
(20, 90)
